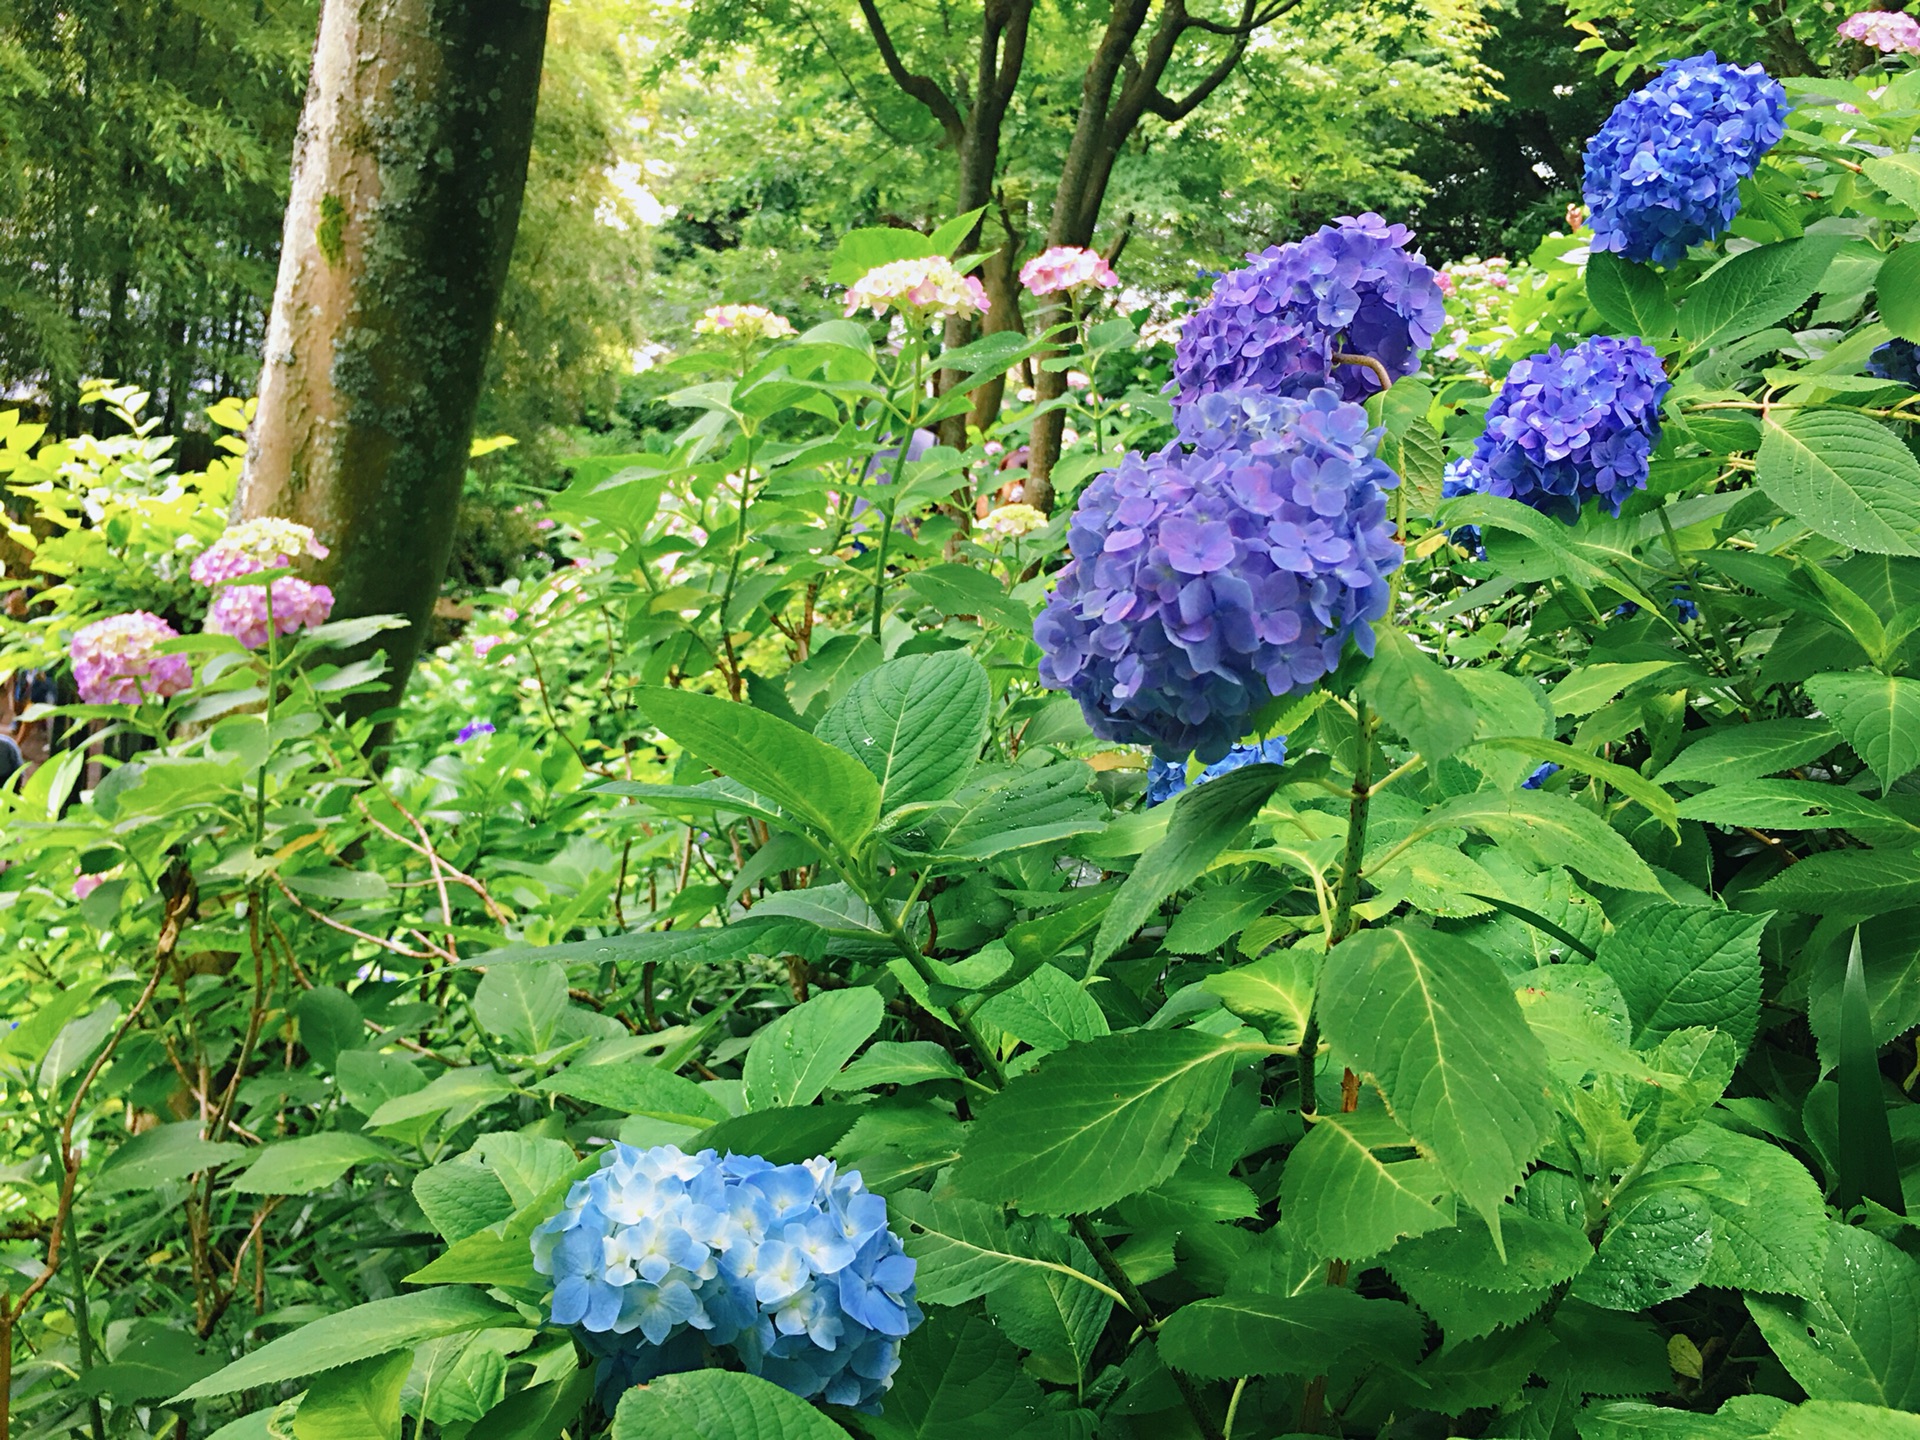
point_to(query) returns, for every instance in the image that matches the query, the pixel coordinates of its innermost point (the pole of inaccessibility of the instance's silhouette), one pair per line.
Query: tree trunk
(408, 172)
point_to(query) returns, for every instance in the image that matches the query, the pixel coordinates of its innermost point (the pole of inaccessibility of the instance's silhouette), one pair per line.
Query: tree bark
(408, 173)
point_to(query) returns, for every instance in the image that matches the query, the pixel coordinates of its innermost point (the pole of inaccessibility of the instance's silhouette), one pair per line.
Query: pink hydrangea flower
(483, 645)
(745, 322)
(241, 610)
(926, 287)
(1888, 30)
(1066, 267)
(86, 885)
(116, 661)
(252, 546)
(1445, 282)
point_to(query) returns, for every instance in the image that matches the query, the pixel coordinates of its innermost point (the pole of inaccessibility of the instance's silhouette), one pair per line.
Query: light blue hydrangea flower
(1663, 173)
(1168, 778)
(661, 1255)
(1206, 580)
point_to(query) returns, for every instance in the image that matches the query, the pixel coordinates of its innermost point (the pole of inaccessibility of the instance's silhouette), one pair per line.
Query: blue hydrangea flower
(1540, 776)
(1567, 426)
(1352, 287)
(1897, 360)
(473, 729)
(1168, 778)
(1205, 581)
(1664, 171)
(661, 1255)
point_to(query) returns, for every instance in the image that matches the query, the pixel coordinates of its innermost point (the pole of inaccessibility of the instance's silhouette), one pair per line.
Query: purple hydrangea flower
(1569, 425)
(1168, 778)
(1205, 581)
(659, 1255)
(1897, 360)
(473, 729)
(1540, 776)
(1351, 287)
(1664, 171)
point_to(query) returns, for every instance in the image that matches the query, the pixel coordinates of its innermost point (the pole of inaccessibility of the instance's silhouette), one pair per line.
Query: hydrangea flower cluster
(1897, 360)
(1351, 287)
(1664, 171)
(254, 545)
(1892, 31)
(1204, 582)
(1569, 425)
(1168, 778)
(1066, 267)
(247, 549)
(921, 288)
(743, 322)
(1010, 522)
(791, 1267)
(473, 730)
(117, 661)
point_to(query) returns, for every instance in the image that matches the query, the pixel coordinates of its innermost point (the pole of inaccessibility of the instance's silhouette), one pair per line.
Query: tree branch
(921, 87)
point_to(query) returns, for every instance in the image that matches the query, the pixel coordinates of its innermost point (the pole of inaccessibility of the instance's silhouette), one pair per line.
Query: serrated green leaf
(1794, 805)
(1683, 965)
(1846, 882)
(1743, 752)
(356, 1402)
(359, 1333)
(1879, 716)
(312, 1162)
(636, 1087)
(792, 1060)
(1304, 1334)
(1853, 1337)
(1417, 696)
(1755, 288)
(1547, 830)
(1346, 1202)
(1898, 291)
(1776, 1241)
(1655, 801)
(1844, 475)
(1275, 993)
(1539, 1254)
(1631, 298)
(1656, 1250)
(522, 1004)
(718, 1405)
(166, 1152)
(1430, 1020)
(1844, 1420)
(917, 723)
(1096, 1122)
(959, 1380)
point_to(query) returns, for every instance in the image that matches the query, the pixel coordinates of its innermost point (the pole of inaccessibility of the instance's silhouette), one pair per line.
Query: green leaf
(166, 1152)
(917, 723)
(540, 1412)
(1755, 288)
(1546, 830)
(873, 246)
(1096, 1122)
(522, 1004)
(1681, 965)
(1794, 805)
(1845, 476)
(1853, 1336)
(791, 1061)
(1774, 1240)
(1744, 751)
(785, 1134)
(1632, 1420)
(750, 935)
(718, 1405)
(1868, 1168)
(461, 1197)
(1276, 993)
(456, 1093)
(1880, 717)
(960, 1379)
(819, 785)
(1846, 882)
(1304, 1334)
(329, 1023)
(310, 1163)
(1431, 1021)
(1049, 1010)
(359, 1333)
(638, 1088)
(1538, 1254)
(1631, 298)
(1898, 175)
(1003, 809)
(528, 1165)
(897, 1062)
(1657, 1250)
(1206, 818)
(1058, 1317)
(1417, 696)
(1217, 915)
(1844, 1419)
(964, 590)
(1345, 1201)
(356, 1402)
(1655, 801)
(1898, 290)
(1890, 961)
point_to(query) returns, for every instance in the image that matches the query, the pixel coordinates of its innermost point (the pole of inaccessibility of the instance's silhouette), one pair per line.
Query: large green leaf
(1004, 809)
(1205, 821)
(1535, 1254)
(1684, 965)
(1844, 475)
(718, 1405)
(1846, 882)
(522, 1004)
(1055, 1316)
(1417, 696)
(960, 1379)
(1345, 1200)
(1845, 1419)
(1547, 830)
(1878, 714)
(1095, 1123)
(1275, 993)
(1744, 752)
(356, 1402)
(359, 1333)
(817, 784)
(792, 1059)
(312, 1162)
(1655, 1250)
(1304, 1334)
(1431, 1021)
(1755, 288)
(1898, 288)
(166, 1152)
(1795, 805)
(1631, 298)
(753, 934)
(964, 590)
(1773, 1237)
(636, 1087)
(1857, 1336)
(917, 723)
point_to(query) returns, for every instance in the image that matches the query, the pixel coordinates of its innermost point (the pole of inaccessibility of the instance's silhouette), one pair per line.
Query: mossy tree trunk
(408, 172)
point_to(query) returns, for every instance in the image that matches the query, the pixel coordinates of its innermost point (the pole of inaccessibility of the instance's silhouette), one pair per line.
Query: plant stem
(1348, 891)
(733, 573)
(82, 1325)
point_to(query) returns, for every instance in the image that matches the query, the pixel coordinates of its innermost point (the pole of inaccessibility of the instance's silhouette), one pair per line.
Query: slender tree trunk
(408, 173)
